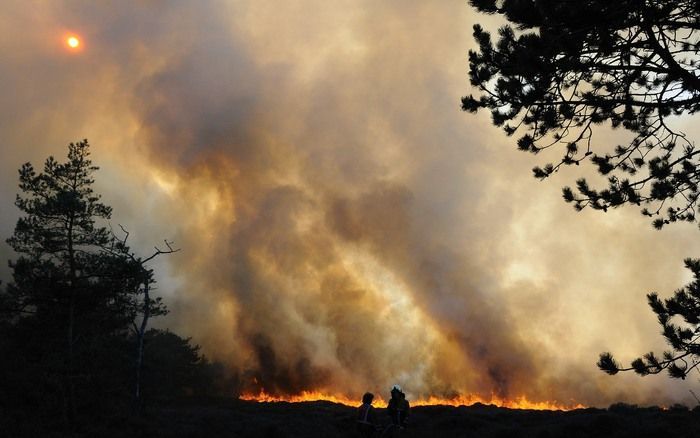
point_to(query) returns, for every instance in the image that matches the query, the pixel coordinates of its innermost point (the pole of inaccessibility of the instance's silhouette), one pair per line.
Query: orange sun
(73, 42)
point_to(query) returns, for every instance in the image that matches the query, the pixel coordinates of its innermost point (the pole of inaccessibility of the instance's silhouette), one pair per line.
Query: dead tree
(149, 306)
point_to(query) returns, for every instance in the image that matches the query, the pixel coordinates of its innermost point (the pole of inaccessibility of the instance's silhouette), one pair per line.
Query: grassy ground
(322, 419)
(233, 419)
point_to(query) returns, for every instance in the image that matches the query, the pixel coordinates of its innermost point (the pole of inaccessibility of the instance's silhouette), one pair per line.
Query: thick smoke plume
(343, 226)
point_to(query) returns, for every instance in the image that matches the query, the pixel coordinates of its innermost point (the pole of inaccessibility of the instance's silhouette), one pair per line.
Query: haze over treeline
(343, 225)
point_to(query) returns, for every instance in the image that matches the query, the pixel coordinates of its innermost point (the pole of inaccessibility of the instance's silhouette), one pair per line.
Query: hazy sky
(343, 225)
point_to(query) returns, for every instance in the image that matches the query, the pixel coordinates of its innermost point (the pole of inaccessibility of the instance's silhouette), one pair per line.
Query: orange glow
(73, 42)
(462, 400)
(305, 396)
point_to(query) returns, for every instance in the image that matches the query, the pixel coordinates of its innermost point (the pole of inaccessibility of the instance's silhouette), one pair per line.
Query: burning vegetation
(461, 400)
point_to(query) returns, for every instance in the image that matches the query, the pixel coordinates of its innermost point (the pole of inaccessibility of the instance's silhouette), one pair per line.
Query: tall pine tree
(72, 298)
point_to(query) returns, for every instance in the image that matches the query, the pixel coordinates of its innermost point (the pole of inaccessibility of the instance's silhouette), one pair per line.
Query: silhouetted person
(398, 407)
(366, 417)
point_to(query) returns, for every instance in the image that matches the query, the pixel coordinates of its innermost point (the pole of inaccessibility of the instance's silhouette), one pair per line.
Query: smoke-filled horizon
(343, 225)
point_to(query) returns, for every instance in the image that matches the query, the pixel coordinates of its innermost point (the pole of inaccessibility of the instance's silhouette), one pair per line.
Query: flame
(306, 396)
(521, 402)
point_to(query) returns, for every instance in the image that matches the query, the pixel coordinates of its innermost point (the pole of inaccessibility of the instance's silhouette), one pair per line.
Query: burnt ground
(213, 418)
(233, 418)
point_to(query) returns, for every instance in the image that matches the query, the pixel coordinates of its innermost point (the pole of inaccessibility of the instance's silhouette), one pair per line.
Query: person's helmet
(396, 388)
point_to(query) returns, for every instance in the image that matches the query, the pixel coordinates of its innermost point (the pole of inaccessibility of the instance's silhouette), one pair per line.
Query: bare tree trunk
(140, 335)
(71, 326)
(141, 330)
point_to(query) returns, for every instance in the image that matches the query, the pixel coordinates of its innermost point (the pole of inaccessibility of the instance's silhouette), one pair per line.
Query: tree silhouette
(149, 306)
(174, 367)
(563, 67)
(76, 288)
(74, 320)
(558, 69)
(680, 318)
(62, 278)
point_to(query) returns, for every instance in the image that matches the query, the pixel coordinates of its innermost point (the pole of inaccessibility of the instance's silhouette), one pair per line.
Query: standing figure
(367, 423)
(398, 407)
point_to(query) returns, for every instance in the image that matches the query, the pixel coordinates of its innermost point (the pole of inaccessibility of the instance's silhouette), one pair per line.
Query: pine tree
(72, 299)
(560, 69)
(680, 318)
